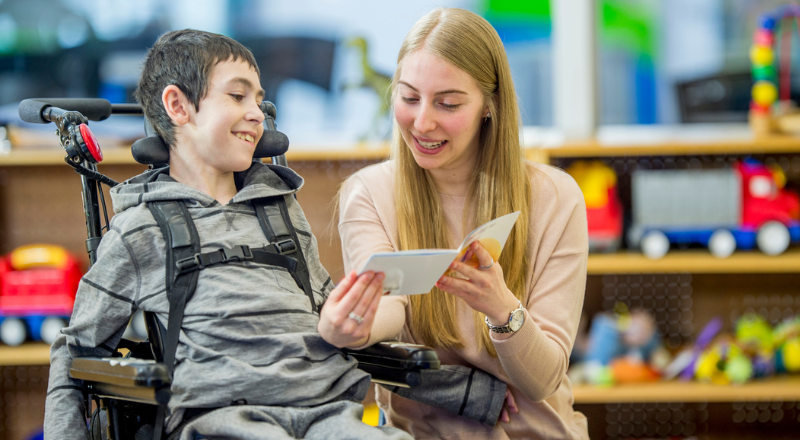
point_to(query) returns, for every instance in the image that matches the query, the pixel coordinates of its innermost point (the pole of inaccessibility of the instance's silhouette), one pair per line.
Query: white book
(415, 272)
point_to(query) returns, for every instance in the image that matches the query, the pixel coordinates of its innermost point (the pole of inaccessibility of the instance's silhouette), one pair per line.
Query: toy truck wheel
(50, 329)
(722, 243)
(773, 238)
(13, 332)
(654, 244)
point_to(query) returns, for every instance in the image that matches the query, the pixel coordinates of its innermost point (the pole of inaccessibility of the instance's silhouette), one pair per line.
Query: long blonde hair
(499, 184)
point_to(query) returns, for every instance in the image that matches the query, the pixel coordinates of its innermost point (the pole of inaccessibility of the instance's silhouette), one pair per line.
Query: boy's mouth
(245, 137)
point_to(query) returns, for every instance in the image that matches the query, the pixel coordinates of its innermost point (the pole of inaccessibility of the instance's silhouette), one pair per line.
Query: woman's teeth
(245, 137)
(430, 145)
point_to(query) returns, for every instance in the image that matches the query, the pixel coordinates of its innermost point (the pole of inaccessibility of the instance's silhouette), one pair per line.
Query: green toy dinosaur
(372, 79)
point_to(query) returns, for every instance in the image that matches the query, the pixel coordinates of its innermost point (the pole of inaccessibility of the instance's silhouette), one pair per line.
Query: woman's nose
(425, 120)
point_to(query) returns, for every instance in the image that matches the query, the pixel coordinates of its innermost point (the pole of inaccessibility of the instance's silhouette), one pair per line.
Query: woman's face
(439, 109)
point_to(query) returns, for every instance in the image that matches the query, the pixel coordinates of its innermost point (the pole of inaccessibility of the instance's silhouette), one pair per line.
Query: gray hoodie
(248, 332)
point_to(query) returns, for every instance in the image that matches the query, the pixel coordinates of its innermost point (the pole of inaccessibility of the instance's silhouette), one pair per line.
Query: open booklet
(416, 271)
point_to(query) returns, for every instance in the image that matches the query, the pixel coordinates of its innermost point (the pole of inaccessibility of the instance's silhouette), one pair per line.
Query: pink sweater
(533, 361)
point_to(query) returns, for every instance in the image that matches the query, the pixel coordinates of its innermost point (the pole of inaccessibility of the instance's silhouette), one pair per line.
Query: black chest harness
(184, 262)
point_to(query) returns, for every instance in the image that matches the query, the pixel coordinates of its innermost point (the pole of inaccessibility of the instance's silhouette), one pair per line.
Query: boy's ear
(176, 104)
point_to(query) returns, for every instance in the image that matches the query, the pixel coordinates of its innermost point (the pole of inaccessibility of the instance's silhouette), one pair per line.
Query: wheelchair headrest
(152, 150)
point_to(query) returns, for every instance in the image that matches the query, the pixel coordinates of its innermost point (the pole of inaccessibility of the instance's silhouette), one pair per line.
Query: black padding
(94, 109)
(150, 151)
(153, 151)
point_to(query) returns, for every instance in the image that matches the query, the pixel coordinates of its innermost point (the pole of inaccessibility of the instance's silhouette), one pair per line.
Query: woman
(456, 164)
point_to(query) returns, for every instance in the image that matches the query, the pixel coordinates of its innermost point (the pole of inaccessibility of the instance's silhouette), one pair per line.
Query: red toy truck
(37, 291)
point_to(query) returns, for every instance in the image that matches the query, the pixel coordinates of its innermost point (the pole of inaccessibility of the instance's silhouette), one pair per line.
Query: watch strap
(503, 328)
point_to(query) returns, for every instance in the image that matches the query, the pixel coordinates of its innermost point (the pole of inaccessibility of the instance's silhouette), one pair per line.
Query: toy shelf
(785, 388)
(25, 354)
(695, 261)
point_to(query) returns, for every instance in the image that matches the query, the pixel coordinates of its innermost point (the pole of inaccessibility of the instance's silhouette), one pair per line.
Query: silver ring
(356, 318)
(486, 267)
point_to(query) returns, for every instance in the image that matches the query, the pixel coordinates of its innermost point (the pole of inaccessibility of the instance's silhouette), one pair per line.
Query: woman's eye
(409, 100)
(450, 106)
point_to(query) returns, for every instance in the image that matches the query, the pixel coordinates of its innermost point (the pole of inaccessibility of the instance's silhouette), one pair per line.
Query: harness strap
(267, 256)
(182, 241)
(273, 216)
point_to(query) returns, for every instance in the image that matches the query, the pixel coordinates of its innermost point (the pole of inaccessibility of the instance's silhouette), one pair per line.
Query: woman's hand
(509, 407)
(346, 318)
(484, 289)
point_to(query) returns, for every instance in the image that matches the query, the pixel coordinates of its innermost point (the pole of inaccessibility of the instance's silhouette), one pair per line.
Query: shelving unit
(714, 285)
(684, 290)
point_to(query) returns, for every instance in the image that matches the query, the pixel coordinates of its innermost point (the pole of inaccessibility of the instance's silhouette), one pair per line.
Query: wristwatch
(515, 321)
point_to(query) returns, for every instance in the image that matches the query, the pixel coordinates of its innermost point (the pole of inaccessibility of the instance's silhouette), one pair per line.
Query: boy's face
(227, 126)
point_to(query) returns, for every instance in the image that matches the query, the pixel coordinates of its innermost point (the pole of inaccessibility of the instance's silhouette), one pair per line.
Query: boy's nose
(255, 114)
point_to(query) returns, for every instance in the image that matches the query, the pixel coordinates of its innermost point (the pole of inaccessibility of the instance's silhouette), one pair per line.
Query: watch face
(517, 318)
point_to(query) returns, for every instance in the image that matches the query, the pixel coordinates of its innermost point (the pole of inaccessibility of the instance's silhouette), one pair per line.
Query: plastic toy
(598, 182)
(622, 347)
(37, 291)
(787, 342)
(765, 116)
(724, 363)
(742, 207)
(683, 364)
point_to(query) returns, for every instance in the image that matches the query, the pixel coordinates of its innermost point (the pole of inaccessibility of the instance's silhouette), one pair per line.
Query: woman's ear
(176, 104)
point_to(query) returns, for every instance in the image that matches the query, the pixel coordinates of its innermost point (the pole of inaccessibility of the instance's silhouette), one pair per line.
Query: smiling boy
(257, 355)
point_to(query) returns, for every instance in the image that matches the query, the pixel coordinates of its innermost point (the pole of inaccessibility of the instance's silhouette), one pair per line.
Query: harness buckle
(189, 264)
(236, 253)
(285, 246)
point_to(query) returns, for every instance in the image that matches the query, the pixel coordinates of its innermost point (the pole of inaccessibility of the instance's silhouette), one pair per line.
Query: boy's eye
(237, 96)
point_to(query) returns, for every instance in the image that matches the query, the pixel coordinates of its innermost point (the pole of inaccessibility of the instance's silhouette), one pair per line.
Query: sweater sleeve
(363, 233)
(103, 305)
(537, 356)
(467, 392)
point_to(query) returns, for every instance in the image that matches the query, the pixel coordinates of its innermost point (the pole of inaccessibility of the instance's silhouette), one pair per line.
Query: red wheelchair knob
(90, 143)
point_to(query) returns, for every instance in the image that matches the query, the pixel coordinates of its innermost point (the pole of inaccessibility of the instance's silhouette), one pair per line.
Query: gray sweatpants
(334, 421)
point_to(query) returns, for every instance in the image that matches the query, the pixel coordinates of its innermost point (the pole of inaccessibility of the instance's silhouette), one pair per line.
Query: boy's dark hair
(183, 58)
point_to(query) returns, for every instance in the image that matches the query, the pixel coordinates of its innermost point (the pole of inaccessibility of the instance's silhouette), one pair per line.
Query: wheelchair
(129, 389)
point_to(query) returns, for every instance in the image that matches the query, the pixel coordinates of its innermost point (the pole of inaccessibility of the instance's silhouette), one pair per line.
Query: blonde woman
(505, 328)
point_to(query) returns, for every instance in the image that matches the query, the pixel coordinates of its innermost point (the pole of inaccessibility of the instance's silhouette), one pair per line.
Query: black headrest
(152, 150)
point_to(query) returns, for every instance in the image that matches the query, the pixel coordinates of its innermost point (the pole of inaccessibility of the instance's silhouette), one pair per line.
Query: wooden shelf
(25, 354)
(695, 261)
(781, 388)
(122, 155)
(655, 140)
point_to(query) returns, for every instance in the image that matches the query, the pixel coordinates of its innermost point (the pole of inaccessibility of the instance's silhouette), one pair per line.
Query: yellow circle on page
(490, 244)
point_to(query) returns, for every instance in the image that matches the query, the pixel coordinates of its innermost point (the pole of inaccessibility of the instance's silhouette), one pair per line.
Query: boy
(255, 358)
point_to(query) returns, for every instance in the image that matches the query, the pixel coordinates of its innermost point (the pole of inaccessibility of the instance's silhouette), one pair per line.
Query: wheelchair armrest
(131, 379)
(396, 363)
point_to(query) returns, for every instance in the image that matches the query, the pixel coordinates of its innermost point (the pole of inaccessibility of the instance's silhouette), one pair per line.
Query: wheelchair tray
(140, 380)
(120, 371)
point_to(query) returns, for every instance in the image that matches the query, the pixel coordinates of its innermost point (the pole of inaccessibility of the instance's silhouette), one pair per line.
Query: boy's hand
(347, 316)
(509, 407)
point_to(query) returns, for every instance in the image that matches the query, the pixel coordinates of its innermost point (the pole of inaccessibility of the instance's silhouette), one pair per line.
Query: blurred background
(316, 54)
(670, 89)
